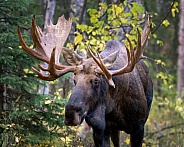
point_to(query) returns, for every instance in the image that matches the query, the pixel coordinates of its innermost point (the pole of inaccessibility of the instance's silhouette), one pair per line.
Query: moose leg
(97, 121)
(136, 137)
(115, 137)
(98, 137)
(101, 138)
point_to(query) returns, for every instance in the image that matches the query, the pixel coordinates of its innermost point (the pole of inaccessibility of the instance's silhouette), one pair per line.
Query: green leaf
(159, 42)
(154, 35)
(92, 11)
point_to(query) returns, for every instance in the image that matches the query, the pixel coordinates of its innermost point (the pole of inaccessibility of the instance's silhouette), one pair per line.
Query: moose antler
(48, 47)
(133, 56)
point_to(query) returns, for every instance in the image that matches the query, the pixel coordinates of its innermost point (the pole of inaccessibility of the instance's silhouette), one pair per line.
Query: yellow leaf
(179, 102)
(127, 140)
(48, 101)
(53, 82)
(26, 70)
(143, 145)
(31, 46)
(66, 139)
(119, 10)
(166, 23)
(63, 112)
(78, 39)
(104, 6)
(93, 41)
(93, 33)
(173, 12)
(158, 61)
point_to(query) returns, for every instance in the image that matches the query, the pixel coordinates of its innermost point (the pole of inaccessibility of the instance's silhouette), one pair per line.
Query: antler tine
(94, 58)
(34, 32)
(143, 39)
(53, 72)
(106, 72)
(130, 63)
(146, 31)
(102, 67)
(130, 54)
(39, 53)
(139, 49)
(100, 63)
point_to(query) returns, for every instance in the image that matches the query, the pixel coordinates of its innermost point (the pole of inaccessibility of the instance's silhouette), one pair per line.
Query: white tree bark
(49, 13)
(180, 72)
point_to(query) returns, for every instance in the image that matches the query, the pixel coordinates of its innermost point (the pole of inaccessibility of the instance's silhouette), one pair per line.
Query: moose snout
(72, 120)
(73, 115)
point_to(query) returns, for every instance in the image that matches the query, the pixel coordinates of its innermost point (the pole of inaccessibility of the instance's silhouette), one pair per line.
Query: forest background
(32, 111)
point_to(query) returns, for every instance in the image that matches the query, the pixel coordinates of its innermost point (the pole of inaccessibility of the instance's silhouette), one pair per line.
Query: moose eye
(96, 82)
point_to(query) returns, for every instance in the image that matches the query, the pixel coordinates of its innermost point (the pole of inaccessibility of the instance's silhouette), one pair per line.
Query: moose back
(113, 91)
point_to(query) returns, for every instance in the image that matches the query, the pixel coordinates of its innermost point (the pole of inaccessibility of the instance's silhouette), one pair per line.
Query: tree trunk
(180, 72)
(1, 100)
(1, 95)
(48, 13)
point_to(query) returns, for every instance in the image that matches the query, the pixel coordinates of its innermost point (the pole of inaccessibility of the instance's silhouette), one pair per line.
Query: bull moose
(113, 90)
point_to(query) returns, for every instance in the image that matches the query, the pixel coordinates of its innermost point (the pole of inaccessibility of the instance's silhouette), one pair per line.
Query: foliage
(36, 118)
(26, 118)
(106, 22)
(164, 13)
(180, 107)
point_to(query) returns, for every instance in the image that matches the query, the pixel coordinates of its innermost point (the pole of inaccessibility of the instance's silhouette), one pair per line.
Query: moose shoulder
(113, 91)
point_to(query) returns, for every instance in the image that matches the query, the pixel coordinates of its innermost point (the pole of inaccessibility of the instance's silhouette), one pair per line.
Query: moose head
(103, 83)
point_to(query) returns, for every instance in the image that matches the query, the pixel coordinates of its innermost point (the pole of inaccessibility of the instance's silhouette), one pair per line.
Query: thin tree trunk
(1, 100)
(49, 13)
(1, 95)
(48, 10)
(180, 72)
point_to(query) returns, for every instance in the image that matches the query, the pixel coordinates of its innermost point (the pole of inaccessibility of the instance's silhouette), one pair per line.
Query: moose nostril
(72, 118)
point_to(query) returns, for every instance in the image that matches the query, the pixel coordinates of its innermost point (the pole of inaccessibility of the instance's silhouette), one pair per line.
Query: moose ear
(71, 57)
(110, 59)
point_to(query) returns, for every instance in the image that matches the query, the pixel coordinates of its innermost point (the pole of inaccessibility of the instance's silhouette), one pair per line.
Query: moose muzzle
(74, 115)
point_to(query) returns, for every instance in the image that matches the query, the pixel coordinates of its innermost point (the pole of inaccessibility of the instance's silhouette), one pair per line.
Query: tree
(27, 118)
(13, 61)
(48, 14)
(180, 72)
